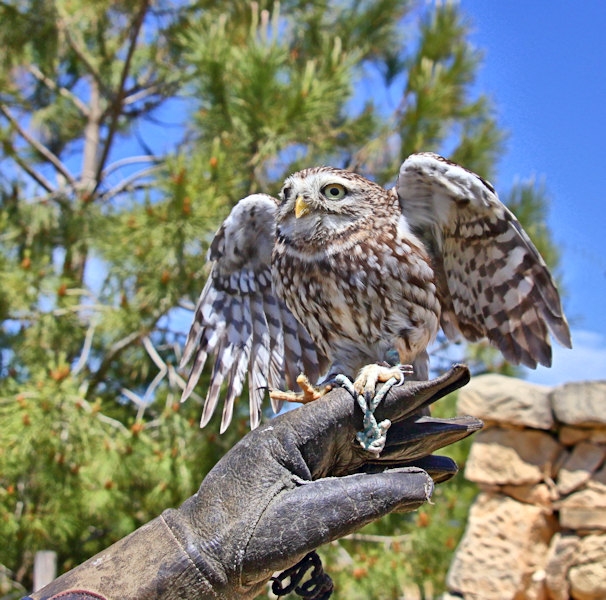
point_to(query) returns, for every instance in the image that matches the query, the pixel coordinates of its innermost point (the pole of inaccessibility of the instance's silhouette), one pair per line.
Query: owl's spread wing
(491, 279)
(239, 320)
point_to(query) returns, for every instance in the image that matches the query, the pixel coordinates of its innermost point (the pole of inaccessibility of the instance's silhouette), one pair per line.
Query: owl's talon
(370, 375)
(404, 370)
(374, 435)
(308, 393)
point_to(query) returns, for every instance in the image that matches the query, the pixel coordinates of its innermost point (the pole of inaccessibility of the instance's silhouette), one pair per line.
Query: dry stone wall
(537, 530)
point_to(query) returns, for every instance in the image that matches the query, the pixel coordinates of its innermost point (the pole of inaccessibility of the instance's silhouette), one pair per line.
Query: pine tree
(95, 227)
(128, 131)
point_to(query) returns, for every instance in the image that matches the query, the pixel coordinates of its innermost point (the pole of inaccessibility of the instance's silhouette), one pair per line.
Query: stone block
(561, 556)
(600, 476)
(509, 457)
(569, 435)
(588, 576)
(505, 400)
(581, 403)
(584, 460)
(502, 551)
(584, 510)
(540, 494)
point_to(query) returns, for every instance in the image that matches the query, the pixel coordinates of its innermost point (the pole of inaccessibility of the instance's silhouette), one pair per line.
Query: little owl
(340, 273)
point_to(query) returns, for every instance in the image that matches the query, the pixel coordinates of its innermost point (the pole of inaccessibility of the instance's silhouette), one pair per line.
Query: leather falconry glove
(286, 488)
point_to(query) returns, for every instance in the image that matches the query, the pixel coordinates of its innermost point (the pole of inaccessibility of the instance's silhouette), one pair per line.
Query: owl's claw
(308, 393)
(370, 375)
(374, 436)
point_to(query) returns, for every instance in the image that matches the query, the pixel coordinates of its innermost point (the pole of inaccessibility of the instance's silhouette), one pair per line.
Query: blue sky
(544, 65)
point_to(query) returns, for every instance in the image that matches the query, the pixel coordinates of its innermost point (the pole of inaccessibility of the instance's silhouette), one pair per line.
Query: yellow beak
(301, 207)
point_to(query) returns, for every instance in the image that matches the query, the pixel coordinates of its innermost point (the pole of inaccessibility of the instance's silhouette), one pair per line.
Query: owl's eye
(286, 190)
(334, 191)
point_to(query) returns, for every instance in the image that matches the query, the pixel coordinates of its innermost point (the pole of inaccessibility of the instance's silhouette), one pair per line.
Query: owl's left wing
(240, 321)
(491, 279)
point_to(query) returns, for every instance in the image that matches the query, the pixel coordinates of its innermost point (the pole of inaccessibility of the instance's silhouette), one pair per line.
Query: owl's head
(325, 200)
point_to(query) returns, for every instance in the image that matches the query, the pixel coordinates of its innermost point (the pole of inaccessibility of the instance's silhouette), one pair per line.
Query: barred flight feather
(238, 320)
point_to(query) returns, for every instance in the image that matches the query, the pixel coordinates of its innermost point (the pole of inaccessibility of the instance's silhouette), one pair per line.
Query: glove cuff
(152, 562)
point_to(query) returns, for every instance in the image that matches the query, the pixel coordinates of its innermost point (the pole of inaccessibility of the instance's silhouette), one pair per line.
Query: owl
(341, 276)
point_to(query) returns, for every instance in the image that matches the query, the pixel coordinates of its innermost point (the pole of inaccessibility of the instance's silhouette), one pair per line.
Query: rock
(596, 486)
(600, 476)
(579, 467)
(536, 589)
(588, 582)
(499, 399)
(504, 546)
(584, 510)
(540, 494)
(592, 549)
(598, 435)
(501, 457)
(588, 577)
(580, 403)
(560, 557)
(569, 436)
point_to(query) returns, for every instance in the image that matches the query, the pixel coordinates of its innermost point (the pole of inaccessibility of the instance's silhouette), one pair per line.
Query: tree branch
(118, 347)
(118, 101)
(37, 146)
(388, 540)
(80, 53)
(86, 348)
(113, 352)
(51, 85)
(140, 94)
(91, 139)
(123, 185)
(129, 160)
(37, 177)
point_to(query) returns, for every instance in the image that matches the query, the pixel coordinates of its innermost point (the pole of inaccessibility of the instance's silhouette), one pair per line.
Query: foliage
(75, 479)
(127, 131)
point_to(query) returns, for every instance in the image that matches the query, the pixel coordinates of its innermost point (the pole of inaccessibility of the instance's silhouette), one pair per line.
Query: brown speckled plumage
(360, 284)
(340, 272)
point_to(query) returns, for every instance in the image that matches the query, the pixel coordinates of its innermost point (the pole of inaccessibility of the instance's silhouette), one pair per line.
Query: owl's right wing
(241, 323)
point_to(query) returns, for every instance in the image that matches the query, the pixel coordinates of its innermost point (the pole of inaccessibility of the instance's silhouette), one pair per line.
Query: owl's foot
(309, 392)
(370, 375)
(374, 436)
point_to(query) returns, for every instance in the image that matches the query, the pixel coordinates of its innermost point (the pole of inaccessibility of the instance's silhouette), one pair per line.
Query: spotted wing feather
(240, 323)
(491, 279)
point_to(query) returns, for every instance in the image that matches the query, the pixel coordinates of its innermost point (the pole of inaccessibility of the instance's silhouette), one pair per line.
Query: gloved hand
(298, 482)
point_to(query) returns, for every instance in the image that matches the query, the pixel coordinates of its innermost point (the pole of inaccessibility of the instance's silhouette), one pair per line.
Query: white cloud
(586, 360)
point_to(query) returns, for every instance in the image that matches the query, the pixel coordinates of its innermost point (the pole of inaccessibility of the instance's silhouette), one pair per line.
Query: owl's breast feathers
(361, 293)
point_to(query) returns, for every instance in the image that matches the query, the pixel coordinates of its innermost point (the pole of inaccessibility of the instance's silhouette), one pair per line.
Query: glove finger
(328, 509)
(404, 401)
(410, 443)
(412, 439)
(439, 468)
